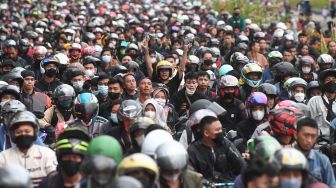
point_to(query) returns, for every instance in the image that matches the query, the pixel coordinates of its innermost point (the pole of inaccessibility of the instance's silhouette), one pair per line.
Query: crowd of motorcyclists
(148, 93)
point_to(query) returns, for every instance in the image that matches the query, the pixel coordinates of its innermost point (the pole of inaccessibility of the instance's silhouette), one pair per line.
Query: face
(228, 39)
(299, 90)
(253, 76)
(285, 139)
(262, 44)
(287, 57)
(332, 48)
(28, 82)
(330, 96)
(115, 108)
(6, 69)
(7, 97)
(130, 83)
(115, 88)
(71, 157)
(149, 107)
(90, 67)
(257, 108)
(12, 52)
(212, 130)
(164, 74)
(329, 78)
(145, 86)
(78, 78)
(160, 95)
(306, 138)
(126, 59)
(292, 174)
(315, 92)
(24, 129)
(302, 39)
(103, 82)
(260, 182)
(203, 82)
(270, 101)
(304, 50)
(191, 84)
(256, 47)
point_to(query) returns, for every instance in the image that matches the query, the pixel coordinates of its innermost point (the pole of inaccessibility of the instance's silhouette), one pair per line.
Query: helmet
(198, 105)
(91, 59)
(11, 90)
(324, 74)
(63, 96)
(228, 81)
(70, 146)
(14, 176)
(249, 68)
(9, 109)
(23, 117)
(88, 51)
(138, 161)
(99, 168)
(283, 69)
(164, 65)
(171, 155)
(197, 116)
(267, 89)
(86, 107)
(31, 35)
(275, 54)
(281, 25)
(238, 57)
(79, 133)
(129, 109)
(106, 146)
(125, 182)
(48, 60)
(264, 146)
(10, 43)
(259, 35)
(62, 58)
(325, 59)
(306, 60)
(294, 83)
(242, 38)
(141, 123)
(224, 69)
(289, 159)
(312, 85)
(39, 50)
(304, 110)
(256, 98)
(153, 140)
(282, 121)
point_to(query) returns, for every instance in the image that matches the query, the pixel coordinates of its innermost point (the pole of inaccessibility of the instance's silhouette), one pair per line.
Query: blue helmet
(86, 107)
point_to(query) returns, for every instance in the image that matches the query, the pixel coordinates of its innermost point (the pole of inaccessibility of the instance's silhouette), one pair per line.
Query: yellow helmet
(138, 161)
(164, 65)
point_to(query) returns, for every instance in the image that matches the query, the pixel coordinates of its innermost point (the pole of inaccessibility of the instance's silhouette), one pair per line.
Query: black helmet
(198, 105)
(31, 35)
(324, 74)
(267, 89)
(11, 90)
(23, 117)
(9, 109)
(63, 96)
(238, 57)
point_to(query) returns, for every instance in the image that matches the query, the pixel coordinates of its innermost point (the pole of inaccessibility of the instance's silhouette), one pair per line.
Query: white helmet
(153, 140)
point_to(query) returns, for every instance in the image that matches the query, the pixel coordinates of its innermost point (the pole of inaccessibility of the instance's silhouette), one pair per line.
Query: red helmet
(282, 121)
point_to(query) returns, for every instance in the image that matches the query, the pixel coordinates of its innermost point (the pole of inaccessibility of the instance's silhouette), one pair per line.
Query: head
(28, 83)
(130, 83)
(115, 88)
(332, 48)
(114, 107)
(90, 68)
(103, 81)
(77, 81)
(288, 56)
(203, 80)
(145, 87)
(236, 12)
(306, 134)
(211, 129)
(304, 49)
(303, 38)
(254, 46)
(190, 83)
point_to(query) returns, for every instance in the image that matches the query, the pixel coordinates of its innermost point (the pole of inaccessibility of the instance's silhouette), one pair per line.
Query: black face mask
(114, 95)
(51, 72)
(69, 167)
(228, 95)
(208, 62)
(24, 141)
(219, 138)
(235, 14)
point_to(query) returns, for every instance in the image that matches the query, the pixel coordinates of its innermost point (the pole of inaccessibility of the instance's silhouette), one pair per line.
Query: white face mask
(258, 115)
(150, 114)
(140, 140)
(153, 60)
(162, 102)
(189, 91)
(299, 97)
(306, 70)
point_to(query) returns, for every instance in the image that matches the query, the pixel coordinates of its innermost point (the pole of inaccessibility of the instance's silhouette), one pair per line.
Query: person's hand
(186, 46)
(145, 45)
(246, 156)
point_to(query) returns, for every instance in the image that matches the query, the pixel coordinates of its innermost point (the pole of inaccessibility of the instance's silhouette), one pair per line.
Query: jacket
(94, 129)
(189, 179)
(52, 116)
(39, 161)
(240, 22)
(222, 163)
(47, 88)
(182, 102)
(36, 102)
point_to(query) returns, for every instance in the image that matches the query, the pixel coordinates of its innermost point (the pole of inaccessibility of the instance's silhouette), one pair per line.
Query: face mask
(214, 59)
(171, 177)
(153, 60)
(106, 58)
(51, 72)
(177, 61)
(162, 102)
(292, 183)
(89, 73)
(139, 140)
(78, 85)
(235, 14)
(208, 62)
(114, 95)
(24, 141)
(189, 91)
(219, 138)
(114, 117)
(103, 90)
(3, 37)
(69, 167)
(306, 70)
(150, 114)
(69, 38)
(258, 115)
(299, 97)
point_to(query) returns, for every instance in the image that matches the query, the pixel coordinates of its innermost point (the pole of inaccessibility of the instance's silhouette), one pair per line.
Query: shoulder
(45, 150)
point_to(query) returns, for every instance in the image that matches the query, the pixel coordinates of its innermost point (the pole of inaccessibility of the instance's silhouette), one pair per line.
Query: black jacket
(224, 166)
(182, 103)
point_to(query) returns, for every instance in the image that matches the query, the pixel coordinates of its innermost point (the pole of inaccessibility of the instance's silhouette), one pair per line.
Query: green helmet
(263, 145)
(106, 146)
